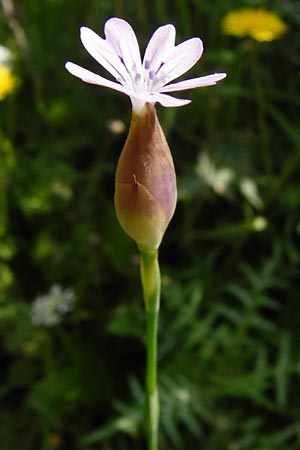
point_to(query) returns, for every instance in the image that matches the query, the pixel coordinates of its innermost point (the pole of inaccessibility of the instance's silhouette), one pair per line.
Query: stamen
(151, 74)
(147, 64)
(137, 77)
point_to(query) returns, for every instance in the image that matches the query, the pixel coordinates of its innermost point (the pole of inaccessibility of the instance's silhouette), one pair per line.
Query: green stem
(150, 276)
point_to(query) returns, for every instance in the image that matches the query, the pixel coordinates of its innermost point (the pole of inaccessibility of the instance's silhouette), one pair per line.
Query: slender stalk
(150, 276)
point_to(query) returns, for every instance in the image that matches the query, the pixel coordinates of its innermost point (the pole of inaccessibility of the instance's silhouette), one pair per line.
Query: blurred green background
(71, 312)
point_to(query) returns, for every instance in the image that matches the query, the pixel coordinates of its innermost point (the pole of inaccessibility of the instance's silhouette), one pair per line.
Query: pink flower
(147, 80)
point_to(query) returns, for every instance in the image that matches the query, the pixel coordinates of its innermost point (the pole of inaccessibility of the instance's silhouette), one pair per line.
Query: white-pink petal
(103, 53)
(169, 101)
(160, 45)
(138, 100)
(193, 83)
(123, 40)
(92, 78)
(143, 82)
(181, 59)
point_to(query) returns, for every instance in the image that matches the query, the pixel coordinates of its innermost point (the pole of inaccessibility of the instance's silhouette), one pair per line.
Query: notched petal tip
(122, 39)
(87, 34)
(160, 45)
(83, 28)
(88, 37)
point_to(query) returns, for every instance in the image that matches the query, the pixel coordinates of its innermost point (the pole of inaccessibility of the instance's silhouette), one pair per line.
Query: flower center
(149, 80)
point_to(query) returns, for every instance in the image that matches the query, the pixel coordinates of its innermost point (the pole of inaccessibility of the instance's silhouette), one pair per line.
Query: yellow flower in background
(8, 82)
(259, 24)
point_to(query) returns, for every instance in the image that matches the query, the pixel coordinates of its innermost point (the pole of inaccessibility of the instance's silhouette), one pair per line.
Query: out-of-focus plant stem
(150, 275)
(9, 10)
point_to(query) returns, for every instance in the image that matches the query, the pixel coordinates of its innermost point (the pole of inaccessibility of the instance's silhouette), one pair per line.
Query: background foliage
(230, 324)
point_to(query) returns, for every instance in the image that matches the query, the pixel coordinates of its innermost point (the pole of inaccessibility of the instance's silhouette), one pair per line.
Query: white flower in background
(116, 126)
(218, 179)
(223, 179)
(5, 56)
(49, 309)
(249, 190)
(144, 80)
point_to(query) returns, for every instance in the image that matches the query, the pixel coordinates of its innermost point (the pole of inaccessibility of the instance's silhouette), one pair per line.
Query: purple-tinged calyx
(145, 184)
